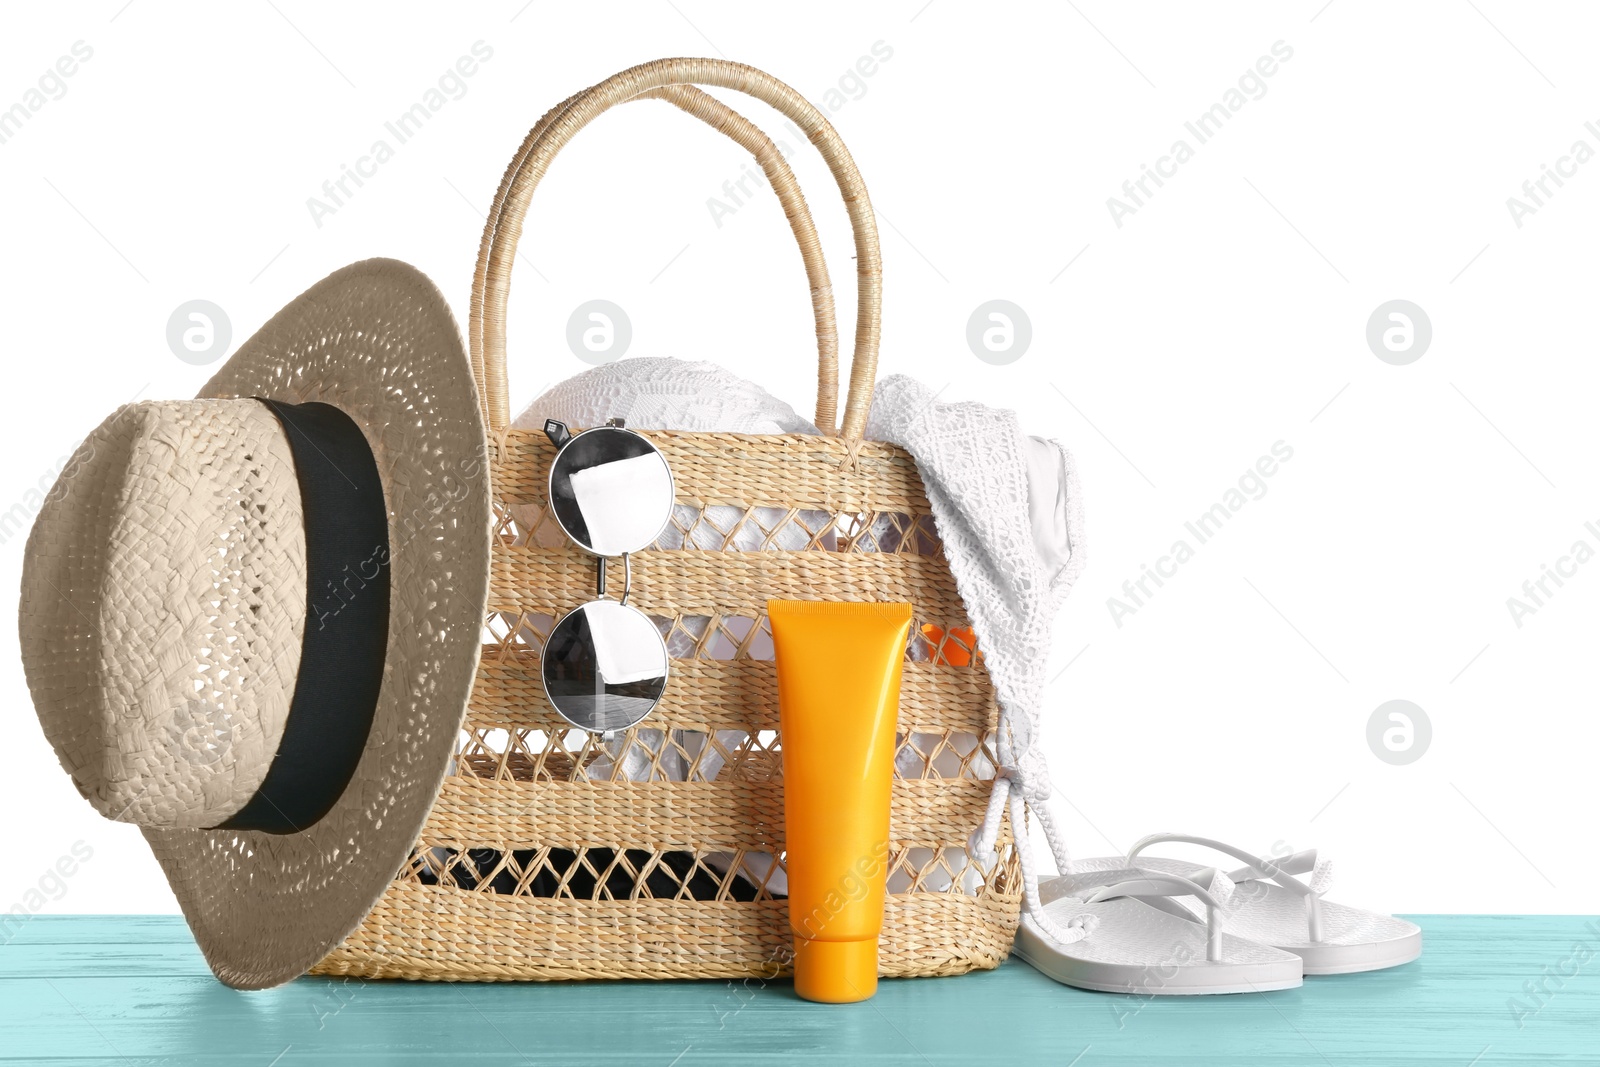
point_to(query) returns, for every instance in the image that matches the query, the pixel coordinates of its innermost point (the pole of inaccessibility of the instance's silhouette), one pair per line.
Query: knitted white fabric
(656, 393)
(974, 462)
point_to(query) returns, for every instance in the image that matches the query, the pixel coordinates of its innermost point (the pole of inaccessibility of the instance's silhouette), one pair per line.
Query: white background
(1225, 315)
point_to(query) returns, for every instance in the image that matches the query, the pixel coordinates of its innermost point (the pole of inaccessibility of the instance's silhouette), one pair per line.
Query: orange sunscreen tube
(838, 699)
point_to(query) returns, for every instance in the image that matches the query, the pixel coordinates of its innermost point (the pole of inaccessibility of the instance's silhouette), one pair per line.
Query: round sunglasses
(604, 665)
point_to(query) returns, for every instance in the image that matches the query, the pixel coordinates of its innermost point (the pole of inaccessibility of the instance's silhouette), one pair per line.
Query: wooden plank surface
(104, 990)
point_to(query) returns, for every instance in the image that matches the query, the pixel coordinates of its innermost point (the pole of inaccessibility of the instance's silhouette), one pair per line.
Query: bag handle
(724, 119)
(498, 248)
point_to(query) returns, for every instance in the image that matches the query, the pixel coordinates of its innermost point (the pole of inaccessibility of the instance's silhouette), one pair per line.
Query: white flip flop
(1121, 931)
(1275, 908)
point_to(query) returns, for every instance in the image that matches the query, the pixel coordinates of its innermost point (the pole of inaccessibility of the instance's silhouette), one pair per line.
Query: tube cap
(835, 972)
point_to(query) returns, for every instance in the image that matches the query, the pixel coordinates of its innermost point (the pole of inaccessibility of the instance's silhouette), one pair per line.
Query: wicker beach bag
(552, 853)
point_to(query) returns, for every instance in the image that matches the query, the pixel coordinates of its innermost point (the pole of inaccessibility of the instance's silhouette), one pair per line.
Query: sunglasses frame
(559, 435)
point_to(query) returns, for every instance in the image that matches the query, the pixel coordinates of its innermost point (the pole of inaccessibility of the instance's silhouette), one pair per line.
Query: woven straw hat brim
(377, 340)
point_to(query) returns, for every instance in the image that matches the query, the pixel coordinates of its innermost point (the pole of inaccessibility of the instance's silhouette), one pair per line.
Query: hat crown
(176, 533)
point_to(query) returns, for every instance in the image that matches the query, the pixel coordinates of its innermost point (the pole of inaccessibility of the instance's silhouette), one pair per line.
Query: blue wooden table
(130, 990)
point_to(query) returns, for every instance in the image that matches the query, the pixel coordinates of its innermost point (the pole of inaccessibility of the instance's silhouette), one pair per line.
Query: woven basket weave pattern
(550, 854)
(543, 797)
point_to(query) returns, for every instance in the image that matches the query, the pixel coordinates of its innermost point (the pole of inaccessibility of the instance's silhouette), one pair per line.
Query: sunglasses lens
(611, 490)
(605, 666)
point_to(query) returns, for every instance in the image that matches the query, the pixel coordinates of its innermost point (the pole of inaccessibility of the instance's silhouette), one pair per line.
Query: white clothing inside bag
(657, 393)
(1009, 515)
(622, 502)
(1050, 500)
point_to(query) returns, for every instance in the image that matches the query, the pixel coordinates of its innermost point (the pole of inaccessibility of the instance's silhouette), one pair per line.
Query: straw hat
(250, 622)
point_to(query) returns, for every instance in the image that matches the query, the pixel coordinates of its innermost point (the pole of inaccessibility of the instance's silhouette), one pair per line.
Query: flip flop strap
(1210, 886)
(1261, 868)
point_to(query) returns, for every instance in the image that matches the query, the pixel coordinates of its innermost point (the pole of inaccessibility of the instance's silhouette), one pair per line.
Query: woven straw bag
(541, 858)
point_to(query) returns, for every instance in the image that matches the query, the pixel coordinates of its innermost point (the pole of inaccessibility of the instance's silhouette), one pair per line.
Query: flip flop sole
(1137, 950)
(1354, 939)
(1353, 959)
